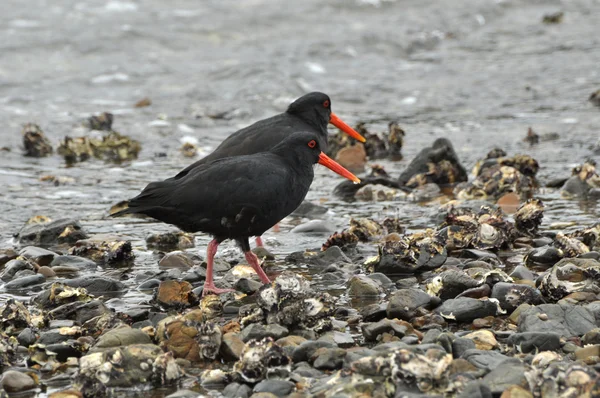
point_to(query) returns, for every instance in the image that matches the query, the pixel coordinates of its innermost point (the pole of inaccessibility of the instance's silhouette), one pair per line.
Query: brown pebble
(66, 394)
(143, 102)
(353, 158)
(47, 272)
(509, 202)
(516, 391)
(175, 293)
(543, 317)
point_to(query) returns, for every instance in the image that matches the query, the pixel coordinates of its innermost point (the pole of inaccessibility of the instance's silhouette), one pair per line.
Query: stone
(511, 295)
(328, 358)
(14, 381)
(476, 389)
(25, 282)
(362, 285)
(305, 350)
(279, 388)
(535, 341)
(96, 285)
(176, 259)
(591, 337)
(396, 327)
(40, 256)
(466, 309)
(73, 261)
(564, 319)
(47, 272)
(483, 339)
(58, 231)
(374, 312)
(121, 336)
(507, 373)
(248, 286)
(231, 347)
(257, 331)
(353, 158)
(176, 294)
(236, 390)
(460, 345)
(515, 391)
(404, 303)
(584, 353)
(27, 337)
(486, 360)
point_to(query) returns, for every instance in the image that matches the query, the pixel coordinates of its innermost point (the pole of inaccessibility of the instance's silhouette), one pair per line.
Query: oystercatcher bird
(238, 197)
(311, 112)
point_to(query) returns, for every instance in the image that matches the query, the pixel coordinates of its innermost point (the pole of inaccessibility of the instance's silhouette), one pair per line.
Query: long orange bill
(336, 167)
(337, 122)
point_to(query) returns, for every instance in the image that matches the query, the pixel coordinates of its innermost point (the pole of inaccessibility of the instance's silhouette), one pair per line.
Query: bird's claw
(215, 290)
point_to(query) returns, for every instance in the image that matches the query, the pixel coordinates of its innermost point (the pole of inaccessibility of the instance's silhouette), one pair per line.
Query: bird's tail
(154, 196)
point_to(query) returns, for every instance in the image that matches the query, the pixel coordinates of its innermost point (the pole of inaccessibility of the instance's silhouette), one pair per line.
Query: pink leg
(259, 242)
(209, 284)
(276, 227)
(253, 261)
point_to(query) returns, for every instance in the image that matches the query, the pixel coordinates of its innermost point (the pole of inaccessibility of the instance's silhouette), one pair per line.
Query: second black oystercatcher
(238, 197)
(311, 112)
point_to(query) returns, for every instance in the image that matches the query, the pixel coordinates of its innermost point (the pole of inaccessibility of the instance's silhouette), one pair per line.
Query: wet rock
(80, 312)
(328, 358)
(482, 359)
(374, 312)
(27, 337)
(175, 240)
(247, 286)
(544, 255)
(17, 267)
(564, 319)
(14, 381)
(405, 302)
(76, 262)
(261, 359)
(591, 352)
(529, 216)
(451, 283)
(25, 282)
(257, 331)
(396, 327)
(64, 230)
(466, 309)
(231, 347)
(176, 260)
(535, 341)
(236, 390)
(119, 337)
(553, 18)
(279, 388)
(511, 295)
(96, 285)
(103, 250)
(361, 286)
(507, 373)
(126, 367)
(110, 146)
(306, 350)
(476, 389)
(591, 337)
(59, 294)
(412, 253)
(35, 142)
(522, 273)
(460, 345)
(7, 255)
(176, 294)
(40, 256)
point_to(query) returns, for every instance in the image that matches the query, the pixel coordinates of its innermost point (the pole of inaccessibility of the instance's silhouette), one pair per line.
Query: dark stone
(532, 341)
(27, 337)
(306, 350)
(523, 273)
(177, 259)
(25, 281)
(372, 330)
(257, 331)
(65, 350)
(591, 337)
(404, 302)
(96, 285)
(49, 233)
(40, 256)
(374, 312)
(466, 309)
(382, 279)
(329, 358)
(507, 373)
(80, 312)
(280, 388)
(73, 261)
(13, 267)
(52, 337)
(236, 390)
(565, 319)
(247, 286)
(483, 359)
(476, 389)
(511, 295)
(149, 284)
(460, 345)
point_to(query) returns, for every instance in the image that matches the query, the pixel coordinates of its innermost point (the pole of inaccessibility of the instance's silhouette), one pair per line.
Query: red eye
(312, 143)
(326, 104)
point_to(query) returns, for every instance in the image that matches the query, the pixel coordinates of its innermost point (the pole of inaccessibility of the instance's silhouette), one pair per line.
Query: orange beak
(336, 167)
(337, 122)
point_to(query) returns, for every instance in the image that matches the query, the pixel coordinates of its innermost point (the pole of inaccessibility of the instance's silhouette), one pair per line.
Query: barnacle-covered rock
(529, 216)
(171, 240)
(102, 121)
(450, 283)
(260, 360)
(568, 246)
(14, 317)
(526, 165)
(495, 181)
(344, 240)
(190, 337)
(36, 144)
(43, 232)
(8, 349)
(589, 236)
(125, 367)
(563, 379)
(112, 147)
(104, 251)
(443, 172)
(59, 294)
(289, 301)
(571, 275)
(377, 146)
(418, 251)
(584, 181)
(364, 228)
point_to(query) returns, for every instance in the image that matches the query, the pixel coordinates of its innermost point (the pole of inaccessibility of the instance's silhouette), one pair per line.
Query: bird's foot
(213, 289)
(259, 242)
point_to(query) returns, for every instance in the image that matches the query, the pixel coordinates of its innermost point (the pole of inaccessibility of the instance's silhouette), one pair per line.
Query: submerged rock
(35, 142)
(64, 230)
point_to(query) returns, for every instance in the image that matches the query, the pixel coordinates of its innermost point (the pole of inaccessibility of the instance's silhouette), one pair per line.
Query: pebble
(483, 339)
(96, 285)
(505, 374)
(465, 309)
(14, 381)
(564, 319)
(176, 294)
(257, 331)
(328, 358)
(535, 341)
(25, 281)
(404, 303)
(362, 285)
(40, 256)
(176, 259)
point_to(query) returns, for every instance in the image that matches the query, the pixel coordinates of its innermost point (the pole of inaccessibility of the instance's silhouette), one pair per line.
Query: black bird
(311, 112)
(237, 197)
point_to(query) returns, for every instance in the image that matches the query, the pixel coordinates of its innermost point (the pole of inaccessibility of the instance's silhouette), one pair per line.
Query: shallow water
(477, 72)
